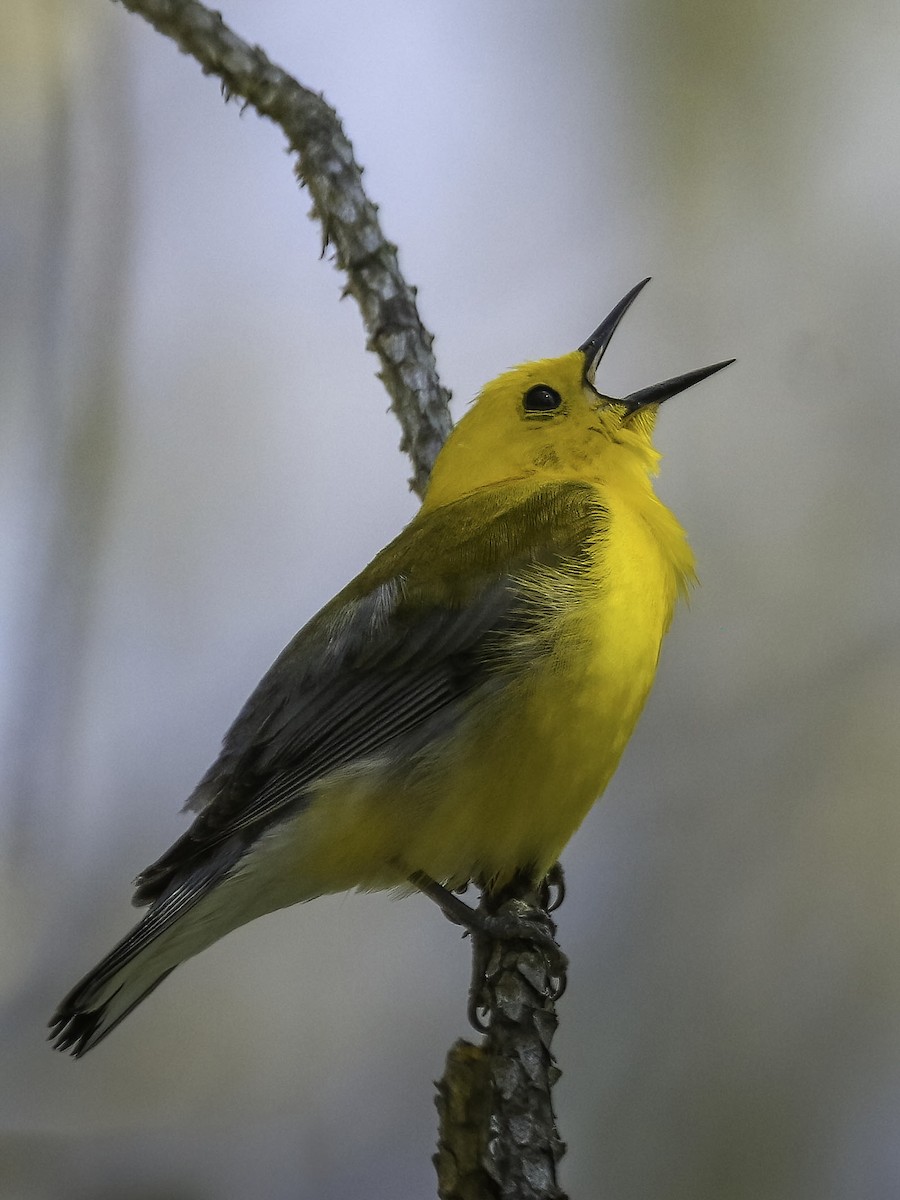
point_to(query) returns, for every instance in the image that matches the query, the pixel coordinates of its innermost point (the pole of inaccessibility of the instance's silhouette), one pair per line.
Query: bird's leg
(451, 906)
(518, 921)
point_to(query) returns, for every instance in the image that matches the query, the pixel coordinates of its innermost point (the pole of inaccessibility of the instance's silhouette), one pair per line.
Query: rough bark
(498, 1137)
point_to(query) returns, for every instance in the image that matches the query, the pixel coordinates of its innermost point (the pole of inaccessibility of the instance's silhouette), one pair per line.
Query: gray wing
(372, 685)
(407, 645)
(393, 658)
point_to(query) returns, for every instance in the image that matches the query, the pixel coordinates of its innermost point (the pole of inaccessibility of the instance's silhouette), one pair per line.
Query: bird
(454, 712)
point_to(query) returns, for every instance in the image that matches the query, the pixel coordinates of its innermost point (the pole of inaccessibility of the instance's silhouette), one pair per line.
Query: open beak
(595, 347)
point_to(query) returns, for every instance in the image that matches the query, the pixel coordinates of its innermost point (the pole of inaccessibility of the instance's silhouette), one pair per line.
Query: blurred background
(195, 454)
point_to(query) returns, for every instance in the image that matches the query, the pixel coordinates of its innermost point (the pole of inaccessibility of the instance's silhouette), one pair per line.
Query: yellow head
(547, 420)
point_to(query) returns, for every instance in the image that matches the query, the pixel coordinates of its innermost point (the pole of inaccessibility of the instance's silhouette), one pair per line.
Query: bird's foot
(552, 888)
(517, 921)
(509, 919)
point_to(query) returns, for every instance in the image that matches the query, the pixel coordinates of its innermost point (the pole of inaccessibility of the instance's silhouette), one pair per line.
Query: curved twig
(498, 1137)
(349, 220)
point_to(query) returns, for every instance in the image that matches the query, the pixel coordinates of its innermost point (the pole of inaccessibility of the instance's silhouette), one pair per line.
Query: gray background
(195, 454)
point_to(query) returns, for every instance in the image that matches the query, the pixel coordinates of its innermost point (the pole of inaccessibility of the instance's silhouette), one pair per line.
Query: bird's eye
(541, 398)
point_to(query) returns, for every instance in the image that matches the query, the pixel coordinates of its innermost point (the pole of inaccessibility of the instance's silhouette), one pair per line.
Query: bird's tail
(185, 919)
(81, 1022)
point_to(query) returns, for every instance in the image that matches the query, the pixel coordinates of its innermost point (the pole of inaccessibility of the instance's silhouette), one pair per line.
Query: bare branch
(326, 165)
(498, 1139)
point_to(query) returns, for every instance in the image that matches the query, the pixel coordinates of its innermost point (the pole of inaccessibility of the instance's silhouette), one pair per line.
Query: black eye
(541, 398)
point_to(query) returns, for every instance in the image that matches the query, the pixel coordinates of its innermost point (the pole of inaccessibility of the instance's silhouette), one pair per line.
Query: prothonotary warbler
(454, 712)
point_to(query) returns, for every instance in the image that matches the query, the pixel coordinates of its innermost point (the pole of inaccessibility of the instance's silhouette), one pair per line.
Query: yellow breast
(535, 760)
(515, 781)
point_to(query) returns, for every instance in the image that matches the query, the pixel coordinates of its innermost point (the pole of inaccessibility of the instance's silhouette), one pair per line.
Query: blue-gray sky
(196, 454)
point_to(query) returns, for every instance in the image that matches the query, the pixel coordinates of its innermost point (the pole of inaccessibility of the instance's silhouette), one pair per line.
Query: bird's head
(547, 419)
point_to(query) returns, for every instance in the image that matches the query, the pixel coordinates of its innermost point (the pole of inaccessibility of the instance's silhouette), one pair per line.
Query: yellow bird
(454, 712)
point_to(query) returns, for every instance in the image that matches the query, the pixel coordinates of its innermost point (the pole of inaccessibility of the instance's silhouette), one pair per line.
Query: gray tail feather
(78, 1029)
(95, 1006)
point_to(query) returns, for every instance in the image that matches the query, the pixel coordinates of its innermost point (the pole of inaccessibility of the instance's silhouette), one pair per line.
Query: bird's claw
(516, 923)
(511, 920)
(552, 890)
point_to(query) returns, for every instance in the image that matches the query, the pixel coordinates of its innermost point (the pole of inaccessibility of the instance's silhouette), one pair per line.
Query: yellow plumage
(520, 774)
(455, 710)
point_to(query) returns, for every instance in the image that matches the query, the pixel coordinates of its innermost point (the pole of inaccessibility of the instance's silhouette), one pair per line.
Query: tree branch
(498, 1139)
(326, 165)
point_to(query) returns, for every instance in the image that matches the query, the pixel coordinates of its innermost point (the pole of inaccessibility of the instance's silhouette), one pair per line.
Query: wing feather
(410, 641)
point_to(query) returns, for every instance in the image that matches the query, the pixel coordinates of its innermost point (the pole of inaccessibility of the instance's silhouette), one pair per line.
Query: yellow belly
(517, 779)
(534, 765)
